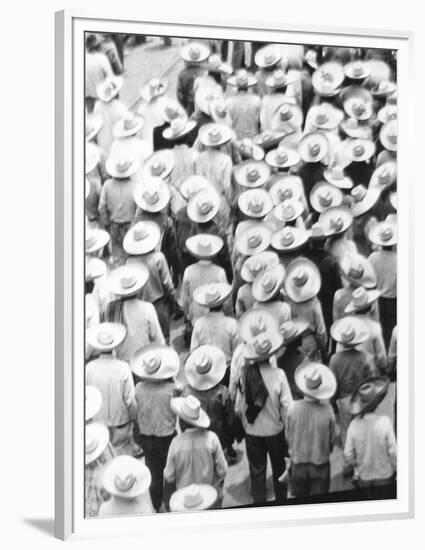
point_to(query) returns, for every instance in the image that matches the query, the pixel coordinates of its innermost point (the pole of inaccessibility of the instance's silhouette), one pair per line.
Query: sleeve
(391, 442)
(392, 352)
(332, 366)
(239, 306)
(332, 428)
(196, 336)
(164, 273)
(320, 326)
(234, 375)
(380, 353)
(234, 336)
(129, 393)
(185, 294)
(220, 464)
(350, 448)
(285, 396)
(227, 178)
(155, 332)
(335, 307)
(181, 89)
(103, 206)
(170, 466)
(289, 427)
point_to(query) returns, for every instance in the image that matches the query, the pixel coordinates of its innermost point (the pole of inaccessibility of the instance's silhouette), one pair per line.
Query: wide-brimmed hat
(121, 167)
(215, 135)
(383, 88)
(361, 299)
(179, 127)
(251, 174)
(384, 175)
(93, 402)
(282, 157)
(219, 111)
(313, 147)
(289, 239)
(288, 210)
(255, 203)
(357, 102)
(94, 268)
(350, 331)
(193, 185)
(254, 240)
(189, 409)
(142, 238)
(242, 79)
(287, 118)
(93, 157)
(153, 88)
(126, 477)
(268, 284)
(325, 195)
(328, 78)
(203, 206)
(171, 109)
(152, 194)
(195, 52)
(302, 281)
(337, 177)
(394, 200)
(316, 381)
(268, 139)
(325, 116)
(357, 70)
(160, 164)
(359, 150)
(109, 88)
(128, 126)
(278, 79)
(267, 56)
(254, 265)
(256, 321)
(356, 130)
(263, 345)
(387, 112)
(291, 330)
(317, 232)
(155, 362)
(205, 367)
(310, 58)
(363, 199)
(357, 269)
(286, 188)
(212, 294)
(204, 95)
(193, 497)
(368, 394)
(106, 336)
(204, 245)
(248, 150)
(97, 439)
(217, 65)
(93, 125)
(336, 219)
(95, 240)
(383, 234)
(128, 280)
(388, 135)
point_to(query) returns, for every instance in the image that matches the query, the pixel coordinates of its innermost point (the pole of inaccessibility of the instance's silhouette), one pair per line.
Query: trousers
(310, 479)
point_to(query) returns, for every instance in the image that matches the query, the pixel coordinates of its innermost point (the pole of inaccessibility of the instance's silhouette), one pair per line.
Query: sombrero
(287, 113)
(109, 88)
(121, 167)
(193, 185)
(256, 321)
(204, 95)
(384, 175)
(160, 164)
(249, 150)
(328, 78)
(354, 129)
(96, 239)
(387, 112)
(152, 194)
(212, 294)
(336, 219)
(361, 299)
(313, 147)
(368, 394)
(171, 109)
(282, 157)
(255, 240)
(97, 438)
(317, 232)
(291, 330)
(285, 188)
(205, 367)
(357, 269)
(128, 126)
(289, 239)
(288, 210)
(268, 139)
(203, 206)
(316, 381)
(267, 285)
(142, 238)
(95, 268)
(217, 65)
(349, 331)
(278, 79)
(242, 79)
(388, 135)
(93, 402)
(106, 336)
(195, 52)
(254, 265)
(189, 409)
(215, 135)
(251, 174)
(325, 116)
(128, 280)
(357, 102)
(193, 497)
(262, 346)
(204, 246)
(93, 157)
(179, 127)
(310, 58)
(384, 88)
(302, 281)
(267, 56)
(155, 362)
(255, 203)
(93, 125)
(336, 177)
(359, 150)
(356, 70)
(364, 199)
(126, 477)
(383, 234)
(219, 111)
(325, 195)
(153, 88)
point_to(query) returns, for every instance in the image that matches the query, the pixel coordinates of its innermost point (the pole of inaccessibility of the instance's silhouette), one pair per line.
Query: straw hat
(325, 195)
(212, 294)
(289, 239)
(121, 167)
(204, 95)
(160, 164)
(328, 78)
(155, 362)
(193, 497)
(242, 79)
(302, 280)
(128, 126)
(383, 234)
(109, 88)
(357, 102)
(394, 200)
(193, 185)
(336, 177)
(126, 477)
(287, 113)
(97, 438)
(255, 322)
(282, 157)
(95, 268)
(152, 194)
(251, 174)
(219, 111)
(387, 112)
(364, 199)
(384, 88)
(217, 65)
(359, 150)
(96, 239)
(268, 56)
(268, 139)
(316, 381)
(357, 269)
(317, 232)
(170, 109)
(310, 58)
(313, 147)
(179, 127)
(195, 52)
(263, 346)
(205, 367)
(288, 210)
(203, 206)
(204, 246)
(215, 135)
(384, 175)
(153, 88)
(291, 330)
(267, 285)
(189, 409)
(286, 188)
(325, 116)
(357, 70)
(388, 135)
(249, 150)
(127, 280)
(350, 331)
(368, 394)
(93, 157)
(278, 79)
(255, 203)
(354, 129)
(106, 336)
(336, 219)
(142, 238)
(93, 402)
(93, 125)
(254, 265)
(361, 299)
(254, 240)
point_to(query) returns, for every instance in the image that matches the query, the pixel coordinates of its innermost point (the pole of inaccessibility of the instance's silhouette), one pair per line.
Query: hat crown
(279, 77)
(347, 333)
(386, 233)
(129, 121)
(90, 239)
(287, 238)
(204, 246)
(157, 167)
(313, 380)
(177, 125)
(300, 276)
(288, 211)
(252, 174)
(358, 68)
(215, 60)
(358, 107)
(262, 344)
(360, 297)
(352, 123)
(203, 364)
(151, 197)
(192, 497)
(255, 265)
(321, 117)
(267, 136)
(255, 203)
(123, 165)
(337, 173)
(154, 84)
(212, 294)
(124, 484)
(191, 407)
(254, 240)
(358, 150)
(356, 272)
(317, 230)
(172, 112)
(358, 193)
(392, 135)
(128, 280)
(140, 233)
(285, 194)
(105, 338)
(281, 156)
(314, 149)
(242, 77)
(336, 223)
(152, 363)
(285, 112)
(269, 282)
(214, 135)
(204, 206)
(194, 53)
(287, 329)
(258, 326)
(325, 197)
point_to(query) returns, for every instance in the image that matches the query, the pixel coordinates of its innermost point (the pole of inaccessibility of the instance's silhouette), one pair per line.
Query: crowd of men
(258, 210)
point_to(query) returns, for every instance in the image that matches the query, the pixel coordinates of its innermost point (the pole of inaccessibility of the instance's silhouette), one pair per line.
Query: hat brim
(367, 280)
(356, 407)
(361, 132)
(293, 159)
(374, 180)
(95, 268)
(102, 442)
(214, 376)
(344, 183)
(232, 81)
(169, 367)
(97, 123)
(243, 204)
(253, 316)
(250, 354)
(225, 293)
(209, 497)
(271, 260)
(120, 131)
(327, 388)
(141, 275)
(112, 469)
(147, 95)
(106, 98)
(241, 174)
(301, 328)
(310, 289)
(375, 238)
(270, 143)
(119, 332)
(303, 149)
(168, 132)
(204, 53)
(242, 244)
(368, 202)
(360, 334)
(112, 169)
(102, 239)
(337, 196)
(202, 421)
(167, 157)
(164, 195)
(336, 211)
(93, 402)
(258, 291)
(301, 238)
(196, 216)
(373, 295)
(216, 245)
(227, 135)
(136, 248)
(369, 150)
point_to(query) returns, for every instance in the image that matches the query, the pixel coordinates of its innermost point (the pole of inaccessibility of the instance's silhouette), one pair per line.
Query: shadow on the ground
(44, 525)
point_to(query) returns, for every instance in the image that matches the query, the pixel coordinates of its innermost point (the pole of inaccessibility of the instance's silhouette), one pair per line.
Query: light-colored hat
(313, 147)
(204, 95)
(215, 135)
(203, 206)
(336, 219)
(394, 200)
(255, 203)
(96, 239)
(204, 245)
(155, 362)
(126, 477)
(268, 284)
(193, 185)
(286, 188)
(212, 294)
(142, 238)
(357, 70)
(153, 88)
(254, 265)
(310, 58)
(336, 177)
(383, 234)
(128, 126)
(152, 194)
(267, 56)
(106, 336)
(268, 139)
(368, 394)
(93, 402)
(95, 268)
(384, 88)
(128, 280)
(325, 195)
(282, 157)
(262, 346)
(254, 240)
(242, 79)
(287, 113)
(315, 380)
(171, 109)
(195, 52)
(219, 111)
(92, 156)
(109, 88)
(189, 409)
(216, 64)
(205, 367)
(317, 232)
(364, 199)
(288, 210)
(251, 174)
(289, 239)
(357, 102)
(328, 78)
(354, 129)
(255, 322)
(97, 438)
(121, 167)
(249, 150)
(362, 298)
(160, 164)
(93, 125)
(193, 497)
(302, 280)
(387, 112)
(179, 127)
(359, 150)
(291, 330)
(278, 79)
(350, 331)
(388, 135)
(358, 270)
(325, 116)
(384, 175)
